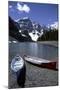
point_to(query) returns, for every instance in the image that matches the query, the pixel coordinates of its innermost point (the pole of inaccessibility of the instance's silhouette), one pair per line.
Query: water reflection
(33, 49)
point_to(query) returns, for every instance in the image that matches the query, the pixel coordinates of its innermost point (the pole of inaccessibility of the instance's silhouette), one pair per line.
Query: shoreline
(52, 43)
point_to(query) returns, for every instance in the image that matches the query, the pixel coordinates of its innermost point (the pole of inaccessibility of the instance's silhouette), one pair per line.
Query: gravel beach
(35, 76)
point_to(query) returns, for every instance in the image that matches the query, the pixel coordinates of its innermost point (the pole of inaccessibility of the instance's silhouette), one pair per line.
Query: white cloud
(24, 7)
(19, 7)
(10, 6)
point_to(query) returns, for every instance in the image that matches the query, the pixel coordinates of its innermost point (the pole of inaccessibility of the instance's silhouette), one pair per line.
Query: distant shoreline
(52, 43)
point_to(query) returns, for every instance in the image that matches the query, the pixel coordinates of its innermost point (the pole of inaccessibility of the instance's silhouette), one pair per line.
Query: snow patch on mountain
(53, 25)
(34, 37)
(35, 34)
(25, 18)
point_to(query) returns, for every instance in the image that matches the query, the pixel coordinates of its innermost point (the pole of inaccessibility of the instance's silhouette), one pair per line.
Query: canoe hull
(44, 63)
(18, 67)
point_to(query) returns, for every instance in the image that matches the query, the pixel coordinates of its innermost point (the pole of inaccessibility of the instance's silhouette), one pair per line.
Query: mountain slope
(14, 32)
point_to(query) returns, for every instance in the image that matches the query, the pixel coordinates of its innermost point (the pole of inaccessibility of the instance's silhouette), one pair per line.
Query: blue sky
(38, 12)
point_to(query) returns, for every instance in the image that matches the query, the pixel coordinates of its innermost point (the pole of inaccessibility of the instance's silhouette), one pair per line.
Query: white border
(4, 42)
(37, 1)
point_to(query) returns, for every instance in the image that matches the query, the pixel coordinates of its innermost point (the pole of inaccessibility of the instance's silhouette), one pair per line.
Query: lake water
(33, 49)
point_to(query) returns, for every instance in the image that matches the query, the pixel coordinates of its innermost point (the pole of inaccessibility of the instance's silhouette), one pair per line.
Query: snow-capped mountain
(53, 25)
(34, 29)
(25, 24)
(14, 32)
(36, 26)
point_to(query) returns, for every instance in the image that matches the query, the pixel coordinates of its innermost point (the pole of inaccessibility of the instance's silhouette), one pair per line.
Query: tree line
(49, 35)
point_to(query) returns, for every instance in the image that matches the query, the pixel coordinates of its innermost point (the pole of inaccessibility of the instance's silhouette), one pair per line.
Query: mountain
(36, 26)
(14, 32)
(53, 26)
(25, 24)
(33, 28)
(12, 27)
(17, 25)
(36, 34)
(27, 30)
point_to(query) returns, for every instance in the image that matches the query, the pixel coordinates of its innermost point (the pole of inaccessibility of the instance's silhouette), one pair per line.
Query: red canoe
(41, 62)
